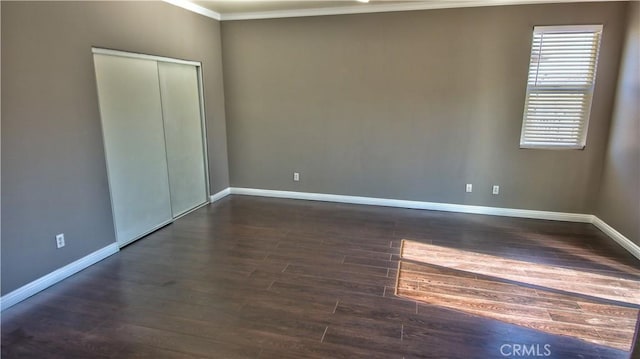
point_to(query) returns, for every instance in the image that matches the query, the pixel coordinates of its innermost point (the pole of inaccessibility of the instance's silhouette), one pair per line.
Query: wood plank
(252, 277)
(593, 320)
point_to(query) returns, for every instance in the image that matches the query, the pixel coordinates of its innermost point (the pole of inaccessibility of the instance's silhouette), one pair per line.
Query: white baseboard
(220, 195)
(625, 242)
(448, 207)
(56, 276)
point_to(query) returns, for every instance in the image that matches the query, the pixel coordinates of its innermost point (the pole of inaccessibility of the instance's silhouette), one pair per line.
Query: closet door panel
(183, 133)
(131, 113)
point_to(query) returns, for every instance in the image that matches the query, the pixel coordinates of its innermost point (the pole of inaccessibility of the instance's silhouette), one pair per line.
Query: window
(562, 73)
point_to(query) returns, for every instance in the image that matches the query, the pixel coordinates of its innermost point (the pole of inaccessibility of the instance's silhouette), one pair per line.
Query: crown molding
(361, 9)
(188, 5)
(371, 8)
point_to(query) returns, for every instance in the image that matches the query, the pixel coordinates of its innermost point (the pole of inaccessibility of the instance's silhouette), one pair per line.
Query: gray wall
(53, 167)
(619, 204)
(408, 105)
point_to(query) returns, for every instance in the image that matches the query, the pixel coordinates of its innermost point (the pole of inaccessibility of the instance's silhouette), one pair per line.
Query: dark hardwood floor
(253, 277)
(596, 308)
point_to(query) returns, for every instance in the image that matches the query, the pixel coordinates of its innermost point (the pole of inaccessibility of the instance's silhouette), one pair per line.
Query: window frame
(587, 90)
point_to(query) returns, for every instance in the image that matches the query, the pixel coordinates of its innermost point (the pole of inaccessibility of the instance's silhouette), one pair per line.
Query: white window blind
(562, 74)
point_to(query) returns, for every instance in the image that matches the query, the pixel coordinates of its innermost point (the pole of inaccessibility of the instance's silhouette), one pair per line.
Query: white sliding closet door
(131, 113)
(183, 132)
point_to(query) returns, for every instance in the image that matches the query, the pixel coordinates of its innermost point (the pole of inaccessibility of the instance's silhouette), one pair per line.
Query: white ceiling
(261, 9)
(244, 6)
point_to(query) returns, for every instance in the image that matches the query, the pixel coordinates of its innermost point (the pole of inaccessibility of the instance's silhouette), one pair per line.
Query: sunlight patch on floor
(559, 301)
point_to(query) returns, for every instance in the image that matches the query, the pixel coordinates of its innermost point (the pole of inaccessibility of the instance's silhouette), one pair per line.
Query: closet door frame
(203, 126)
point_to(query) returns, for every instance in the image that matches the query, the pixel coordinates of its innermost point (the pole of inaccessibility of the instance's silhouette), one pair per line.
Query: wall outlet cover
(60, 240)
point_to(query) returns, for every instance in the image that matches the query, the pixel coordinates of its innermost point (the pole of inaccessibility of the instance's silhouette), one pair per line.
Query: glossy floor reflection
(251, 277)
(596, 308)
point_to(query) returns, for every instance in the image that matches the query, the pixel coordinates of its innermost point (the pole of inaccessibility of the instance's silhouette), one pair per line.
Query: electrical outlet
(469, 188)
(496, 189)
(60, 240)
(296, 176)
